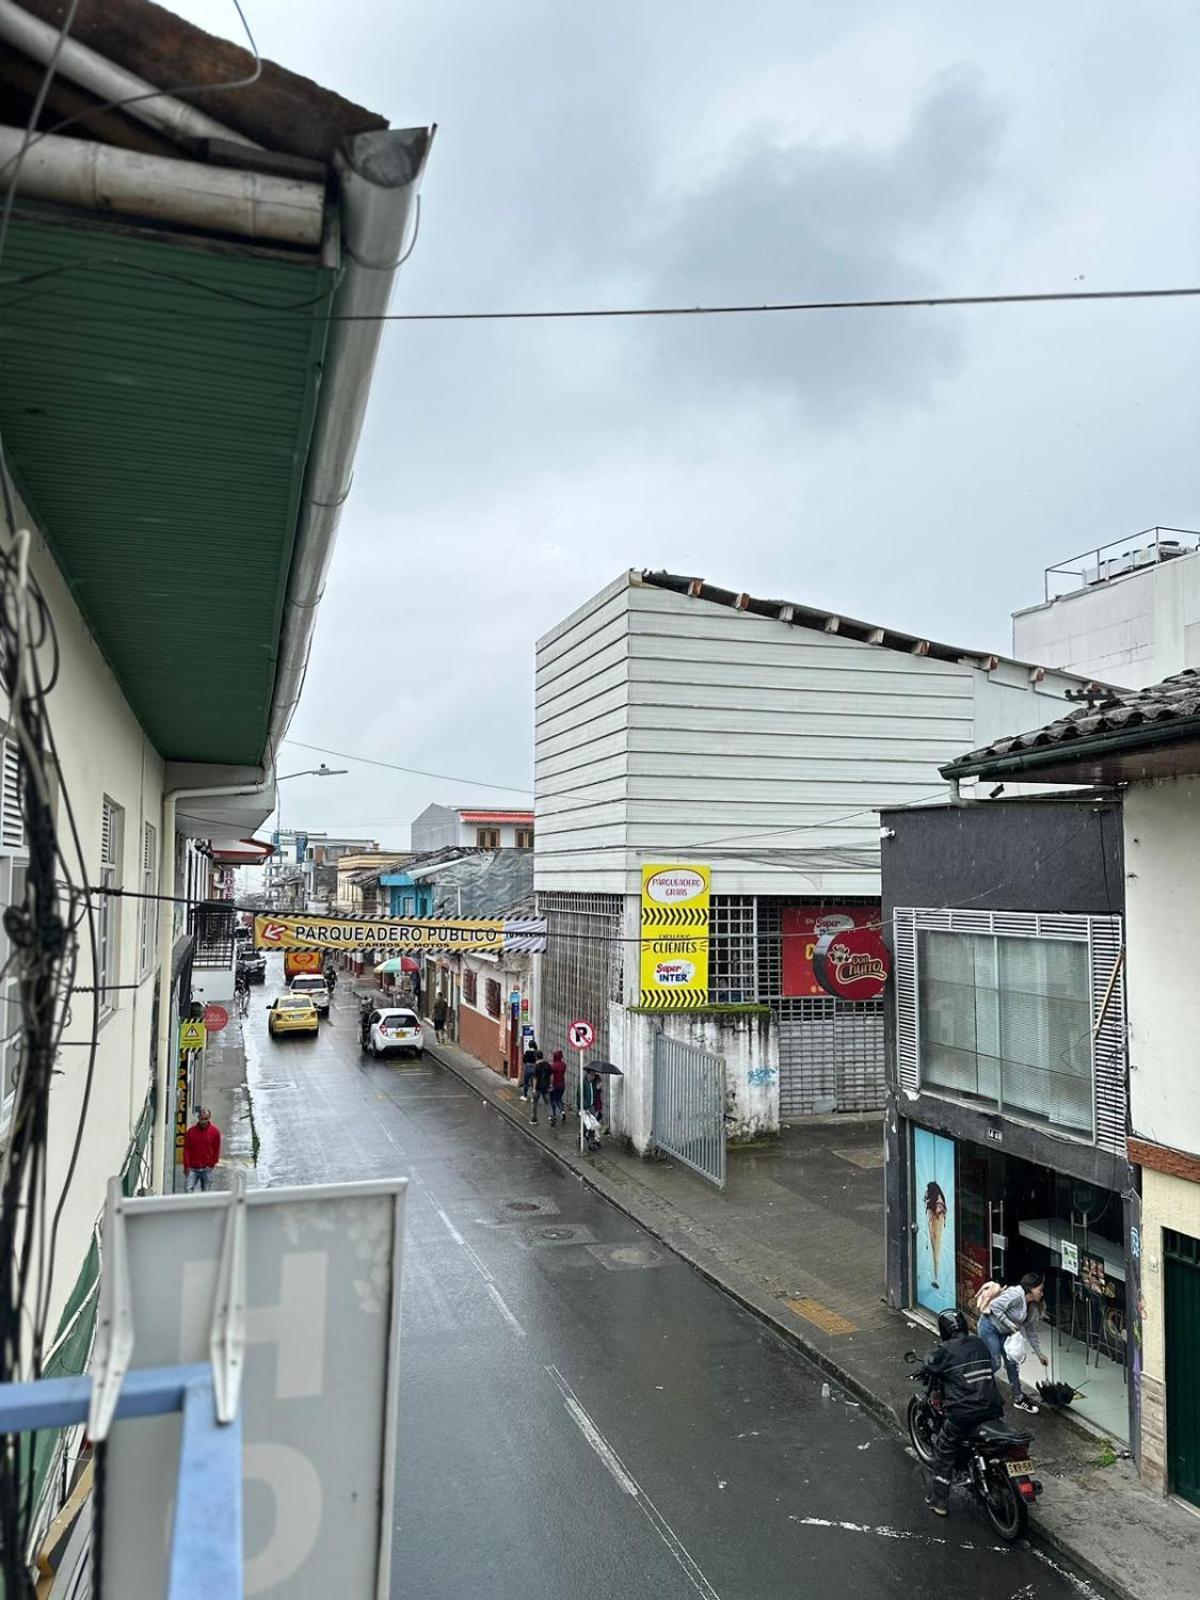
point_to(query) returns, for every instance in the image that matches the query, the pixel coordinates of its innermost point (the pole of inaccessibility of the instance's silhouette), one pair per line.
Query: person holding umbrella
(592, 1098)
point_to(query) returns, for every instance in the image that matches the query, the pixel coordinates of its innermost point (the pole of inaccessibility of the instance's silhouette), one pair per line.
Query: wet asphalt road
(582, 1415)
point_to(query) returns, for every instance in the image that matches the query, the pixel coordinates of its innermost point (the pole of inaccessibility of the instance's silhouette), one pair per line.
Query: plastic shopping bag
(1016, 1347)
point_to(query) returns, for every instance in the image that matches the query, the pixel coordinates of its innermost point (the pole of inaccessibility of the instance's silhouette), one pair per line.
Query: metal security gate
(1183, 1363)
(689, 1107)
(830, 1056)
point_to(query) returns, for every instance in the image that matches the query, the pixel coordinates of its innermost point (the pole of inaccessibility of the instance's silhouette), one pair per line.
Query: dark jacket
(530, 1057)
(541, 1077)
(963, 1367)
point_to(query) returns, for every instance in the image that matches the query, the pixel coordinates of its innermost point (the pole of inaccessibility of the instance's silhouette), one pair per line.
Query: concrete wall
(1129, 631)
(1162, 900)
(747, 1040)
(667, 726)
(103, 752)
(1167, 1202)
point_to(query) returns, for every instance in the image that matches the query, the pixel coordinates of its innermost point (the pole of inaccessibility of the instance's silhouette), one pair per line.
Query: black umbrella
(605, 1068)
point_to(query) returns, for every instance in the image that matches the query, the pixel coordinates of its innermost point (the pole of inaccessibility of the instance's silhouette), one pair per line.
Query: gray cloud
(917, 468)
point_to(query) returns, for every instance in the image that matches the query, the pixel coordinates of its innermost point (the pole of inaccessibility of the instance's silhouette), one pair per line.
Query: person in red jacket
(201, 1152)
(558, 1087)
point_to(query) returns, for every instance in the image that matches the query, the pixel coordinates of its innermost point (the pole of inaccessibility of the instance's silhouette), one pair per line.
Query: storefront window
(1007, 1022)
(980, 1214)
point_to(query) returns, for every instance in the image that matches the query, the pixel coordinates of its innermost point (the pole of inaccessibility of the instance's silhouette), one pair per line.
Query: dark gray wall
(997, 855)
(1007, 855)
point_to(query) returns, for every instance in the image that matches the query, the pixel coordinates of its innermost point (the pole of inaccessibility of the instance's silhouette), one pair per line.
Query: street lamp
(323, 771)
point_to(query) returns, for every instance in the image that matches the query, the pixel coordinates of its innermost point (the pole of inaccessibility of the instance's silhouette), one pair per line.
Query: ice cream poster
(933, 1213)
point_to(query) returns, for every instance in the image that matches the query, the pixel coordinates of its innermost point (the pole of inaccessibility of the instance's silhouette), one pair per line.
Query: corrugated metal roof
(280, 110)
(1167, 704)
(143, 420)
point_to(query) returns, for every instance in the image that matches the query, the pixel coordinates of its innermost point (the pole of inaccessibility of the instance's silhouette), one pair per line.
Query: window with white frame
(1007, 1022)
(148, 907)
(108, 913)
(1017, 1011)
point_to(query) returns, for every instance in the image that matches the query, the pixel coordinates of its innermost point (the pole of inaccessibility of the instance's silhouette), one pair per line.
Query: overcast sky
(917, 469)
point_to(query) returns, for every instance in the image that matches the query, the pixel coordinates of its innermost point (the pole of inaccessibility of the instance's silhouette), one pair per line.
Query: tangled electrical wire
(42, 930)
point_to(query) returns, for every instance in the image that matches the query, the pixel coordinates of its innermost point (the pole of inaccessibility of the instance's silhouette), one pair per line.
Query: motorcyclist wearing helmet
(962, 1366)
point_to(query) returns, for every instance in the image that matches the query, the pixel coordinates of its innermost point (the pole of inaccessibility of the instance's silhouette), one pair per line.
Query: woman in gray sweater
(1015, 1310)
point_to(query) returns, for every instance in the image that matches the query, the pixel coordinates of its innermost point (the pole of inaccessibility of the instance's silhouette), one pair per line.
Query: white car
(395, 1030)
(314, 987)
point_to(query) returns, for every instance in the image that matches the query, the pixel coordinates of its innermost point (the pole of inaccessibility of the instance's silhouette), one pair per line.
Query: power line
(265, 309)
(887, 303)
(416, 772)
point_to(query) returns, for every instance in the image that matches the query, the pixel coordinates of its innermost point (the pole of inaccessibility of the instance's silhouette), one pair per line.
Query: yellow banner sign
(343, 933)
(674, 964)
(192, 1036)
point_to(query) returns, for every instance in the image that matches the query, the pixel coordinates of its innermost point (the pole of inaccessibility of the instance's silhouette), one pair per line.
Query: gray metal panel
(831, 1056)
(689, 1107)
(1109, 1049)
(581, 966)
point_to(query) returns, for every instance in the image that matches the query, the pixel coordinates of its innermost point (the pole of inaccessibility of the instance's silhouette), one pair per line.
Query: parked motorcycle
(994, 1462)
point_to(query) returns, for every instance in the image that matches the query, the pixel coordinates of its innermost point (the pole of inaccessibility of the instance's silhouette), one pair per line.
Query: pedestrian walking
(528, 1062)
(1014, 1310)
(201, 1152)
(541, 1086)
(331, 978)
(558, 1087)
(440, 1012)
(593, 1110)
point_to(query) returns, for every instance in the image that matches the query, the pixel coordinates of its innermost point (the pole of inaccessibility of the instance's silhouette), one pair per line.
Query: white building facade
(1129, 614)
(479, 827)
(679, 722)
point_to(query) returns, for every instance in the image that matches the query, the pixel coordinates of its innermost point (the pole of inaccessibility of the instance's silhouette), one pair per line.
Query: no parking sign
(581, 1035)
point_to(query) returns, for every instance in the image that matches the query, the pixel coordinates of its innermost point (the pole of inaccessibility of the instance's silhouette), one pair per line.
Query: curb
(824, 1363)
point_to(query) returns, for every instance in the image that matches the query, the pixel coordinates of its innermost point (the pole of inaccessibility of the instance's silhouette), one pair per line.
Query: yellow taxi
(292, 1013)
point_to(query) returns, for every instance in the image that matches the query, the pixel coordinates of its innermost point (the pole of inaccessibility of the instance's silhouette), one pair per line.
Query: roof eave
(1054, 763)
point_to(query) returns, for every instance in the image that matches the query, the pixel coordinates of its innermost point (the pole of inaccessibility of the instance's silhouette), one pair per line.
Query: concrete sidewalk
(797, 1238)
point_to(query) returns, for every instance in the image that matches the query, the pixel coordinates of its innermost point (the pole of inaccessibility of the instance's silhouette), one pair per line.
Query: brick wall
(480, 1036)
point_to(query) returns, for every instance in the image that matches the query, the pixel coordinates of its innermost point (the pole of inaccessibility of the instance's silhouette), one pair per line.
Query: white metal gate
(830, 1056)
(689, 1107)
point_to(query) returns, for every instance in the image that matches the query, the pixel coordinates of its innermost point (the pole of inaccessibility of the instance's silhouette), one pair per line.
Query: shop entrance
(980, 1215)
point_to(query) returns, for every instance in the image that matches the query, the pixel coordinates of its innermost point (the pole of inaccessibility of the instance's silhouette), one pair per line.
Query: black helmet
(951, 1324)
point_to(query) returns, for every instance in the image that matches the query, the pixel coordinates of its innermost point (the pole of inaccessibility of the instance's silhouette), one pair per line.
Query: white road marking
(1027, 1593)
(898, 1533)
(629, 1485)
(493, 1293)
(1080, 1585)
(502, 1308)
(450, 1228)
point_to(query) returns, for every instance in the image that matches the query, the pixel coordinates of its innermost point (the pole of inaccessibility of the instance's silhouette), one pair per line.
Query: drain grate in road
(558, 1233)
(537, 1205)
(625, 1257)
(821, 1316)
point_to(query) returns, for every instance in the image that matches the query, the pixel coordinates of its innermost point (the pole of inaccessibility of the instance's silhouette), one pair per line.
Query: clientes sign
(674, 960)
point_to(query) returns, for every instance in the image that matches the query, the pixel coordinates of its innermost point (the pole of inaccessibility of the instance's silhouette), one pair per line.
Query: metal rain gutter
(103, 78)
(100, 178)
(379, 175)
(1057, 755)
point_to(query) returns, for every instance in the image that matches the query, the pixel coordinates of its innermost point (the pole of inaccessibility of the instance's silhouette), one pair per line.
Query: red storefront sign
(851, 964)
(802, 928)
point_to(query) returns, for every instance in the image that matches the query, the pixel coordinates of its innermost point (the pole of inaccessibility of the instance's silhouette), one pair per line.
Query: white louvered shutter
(12, 823)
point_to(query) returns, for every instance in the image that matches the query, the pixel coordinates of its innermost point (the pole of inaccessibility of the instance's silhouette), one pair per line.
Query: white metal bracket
(114, 1329)
(227, 1339)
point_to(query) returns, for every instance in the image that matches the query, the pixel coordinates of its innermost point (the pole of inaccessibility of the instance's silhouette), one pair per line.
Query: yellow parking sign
(192, 1036)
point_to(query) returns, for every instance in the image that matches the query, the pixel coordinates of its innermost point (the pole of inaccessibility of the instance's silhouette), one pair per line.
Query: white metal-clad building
(677, 721)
